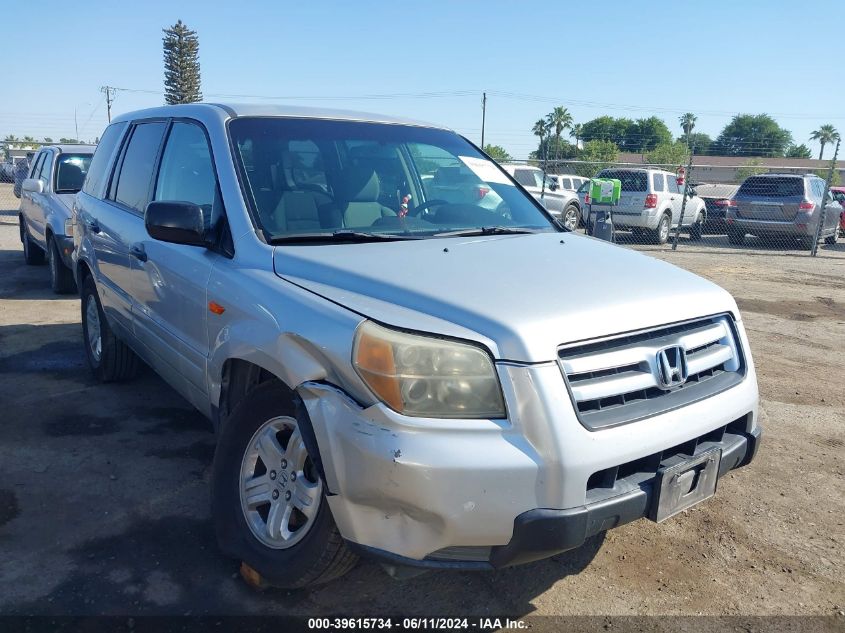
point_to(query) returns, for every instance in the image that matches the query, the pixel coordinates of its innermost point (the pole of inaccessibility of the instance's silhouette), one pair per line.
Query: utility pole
(109, 92)
(483, 116)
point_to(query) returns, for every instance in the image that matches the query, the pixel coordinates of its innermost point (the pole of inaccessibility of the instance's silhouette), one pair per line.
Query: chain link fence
(717, 203)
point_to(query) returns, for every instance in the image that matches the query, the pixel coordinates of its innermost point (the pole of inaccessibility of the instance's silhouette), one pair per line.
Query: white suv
(651, 204)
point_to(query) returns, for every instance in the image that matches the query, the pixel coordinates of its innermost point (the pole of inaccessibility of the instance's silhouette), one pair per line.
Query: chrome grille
(618, 380)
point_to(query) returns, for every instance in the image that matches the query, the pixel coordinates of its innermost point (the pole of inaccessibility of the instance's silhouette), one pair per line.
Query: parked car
(716, 199)
(7, 169)
(839, 196)
(456, 183)
(650, 204)
(45, 217)
(783, 207)
(567, 182)
(413, 387)
(562, 204)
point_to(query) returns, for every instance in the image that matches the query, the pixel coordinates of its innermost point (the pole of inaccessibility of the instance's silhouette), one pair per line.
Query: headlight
(427, 377)
(69, 227)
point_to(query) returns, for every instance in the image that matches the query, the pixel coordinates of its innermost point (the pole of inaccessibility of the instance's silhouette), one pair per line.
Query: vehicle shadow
(124, 470)
(18, 280)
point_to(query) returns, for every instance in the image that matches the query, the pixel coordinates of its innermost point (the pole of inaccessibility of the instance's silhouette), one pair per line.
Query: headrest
(70, 176)
(362, 185)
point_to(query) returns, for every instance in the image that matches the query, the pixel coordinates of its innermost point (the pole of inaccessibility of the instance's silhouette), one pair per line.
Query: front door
(169, 281)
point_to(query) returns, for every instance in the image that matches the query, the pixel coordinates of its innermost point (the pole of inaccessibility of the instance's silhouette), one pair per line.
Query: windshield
(631, 180)
(308, 176)
(71, 171)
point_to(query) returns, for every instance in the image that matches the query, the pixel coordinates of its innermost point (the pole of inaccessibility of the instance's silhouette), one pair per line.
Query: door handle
(137, 251)
(92, 226)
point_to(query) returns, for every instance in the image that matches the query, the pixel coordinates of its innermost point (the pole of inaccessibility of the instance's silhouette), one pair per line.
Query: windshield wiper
(488, 230)
(341, 235)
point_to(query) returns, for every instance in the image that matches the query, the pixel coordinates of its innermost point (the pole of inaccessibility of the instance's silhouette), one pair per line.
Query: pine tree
(181, 65)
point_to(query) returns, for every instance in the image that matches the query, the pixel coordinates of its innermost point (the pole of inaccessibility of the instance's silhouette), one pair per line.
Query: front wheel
(571, 217)
(61, 277)
(268, 499)
(830, 240)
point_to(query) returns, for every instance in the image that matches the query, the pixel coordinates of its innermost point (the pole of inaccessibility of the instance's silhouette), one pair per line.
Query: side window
(659, 182)
(136, 170)
(46, 169)
(36, 165)
(565, 183)
(187, 172)
(97, 171)
(672, 185)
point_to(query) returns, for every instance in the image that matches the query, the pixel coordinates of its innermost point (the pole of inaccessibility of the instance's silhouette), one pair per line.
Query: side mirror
(33, 185)
(175, 222)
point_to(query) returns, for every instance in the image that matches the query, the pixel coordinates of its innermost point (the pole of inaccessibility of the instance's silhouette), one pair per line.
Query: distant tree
(700, 143)
(646, 134)
(559, 120)
(181, 65)
(11, 138)
(547, 146)
(541, 129)
(497, 152)
(750, 168)
(798, 151)
(68, 141)
(824, 135)
(607, 128)
(752, 135)
(674, 154)
(687, 122)
(28, 139)
(577, 133)
(597, 155)
(47, 140)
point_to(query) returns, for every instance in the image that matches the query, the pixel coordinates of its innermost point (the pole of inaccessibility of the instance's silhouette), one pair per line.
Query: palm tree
(11, 138)
(559, 119)
(540, 129)
(576, 132)
(687, 124)
(824, 135)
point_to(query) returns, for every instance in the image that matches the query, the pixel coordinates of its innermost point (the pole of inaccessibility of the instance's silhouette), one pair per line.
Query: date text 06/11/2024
(432, 623)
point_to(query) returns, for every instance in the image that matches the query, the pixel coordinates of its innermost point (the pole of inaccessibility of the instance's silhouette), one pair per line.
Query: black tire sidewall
(292, 567)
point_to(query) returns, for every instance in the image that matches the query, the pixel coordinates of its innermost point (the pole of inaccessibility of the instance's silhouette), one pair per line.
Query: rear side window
(136, 170)
(631, 180)
(659, 182)
(772, 186)
(97, 170)
(525, 177)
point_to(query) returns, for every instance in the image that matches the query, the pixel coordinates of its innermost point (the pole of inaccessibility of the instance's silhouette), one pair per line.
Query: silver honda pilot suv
(391, 374)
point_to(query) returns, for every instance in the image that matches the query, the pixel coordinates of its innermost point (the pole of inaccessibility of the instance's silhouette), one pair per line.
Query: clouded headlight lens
(427, 377)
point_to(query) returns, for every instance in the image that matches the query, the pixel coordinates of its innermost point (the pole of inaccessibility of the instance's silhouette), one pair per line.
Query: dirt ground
(104, 488)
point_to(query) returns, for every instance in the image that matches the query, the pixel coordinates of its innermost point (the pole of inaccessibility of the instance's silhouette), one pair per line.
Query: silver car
(561, 203)
(56, 175)
(392, 375)
(651, 204)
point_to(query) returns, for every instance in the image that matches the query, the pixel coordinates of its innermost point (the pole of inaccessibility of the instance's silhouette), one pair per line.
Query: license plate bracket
(683, 485)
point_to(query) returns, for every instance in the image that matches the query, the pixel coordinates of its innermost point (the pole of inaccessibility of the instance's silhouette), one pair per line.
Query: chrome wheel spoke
(269, 449)
(278, 521)
(296, 453)
(306, 496)
(258, 491)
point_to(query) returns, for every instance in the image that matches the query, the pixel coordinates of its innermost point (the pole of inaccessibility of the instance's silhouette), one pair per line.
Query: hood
(521, 295)
(66, 199)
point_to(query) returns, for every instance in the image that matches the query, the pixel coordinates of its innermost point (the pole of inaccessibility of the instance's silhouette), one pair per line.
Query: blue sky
(714, 58)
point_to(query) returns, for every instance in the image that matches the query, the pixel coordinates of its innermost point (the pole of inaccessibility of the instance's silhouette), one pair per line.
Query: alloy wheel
(92, 324)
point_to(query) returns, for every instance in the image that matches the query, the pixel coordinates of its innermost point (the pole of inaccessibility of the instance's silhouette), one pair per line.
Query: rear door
(771, 198)
(118, 221)
(169, 281)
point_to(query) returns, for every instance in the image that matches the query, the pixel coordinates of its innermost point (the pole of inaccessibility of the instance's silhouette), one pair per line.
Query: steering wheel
(418, 210)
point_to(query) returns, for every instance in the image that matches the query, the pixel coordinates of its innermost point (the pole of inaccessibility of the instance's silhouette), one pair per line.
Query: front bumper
(476, 493)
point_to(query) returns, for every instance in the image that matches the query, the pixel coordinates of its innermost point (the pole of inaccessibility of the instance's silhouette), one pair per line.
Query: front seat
(361, 191)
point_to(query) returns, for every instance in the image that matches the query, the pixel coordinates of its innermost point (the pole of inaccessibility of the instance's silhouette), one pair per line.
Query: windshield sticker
(484, 169)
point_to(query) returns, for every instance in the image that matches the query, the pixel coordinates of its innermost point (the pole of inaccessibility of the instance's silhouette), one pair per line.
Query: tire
(317, 555)
(805, 243)
(109, 358)
(697, 228)
(660, 235)
(571, 217)
(736, 237)
(32, 254)
(830, 240)
(61, 277)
